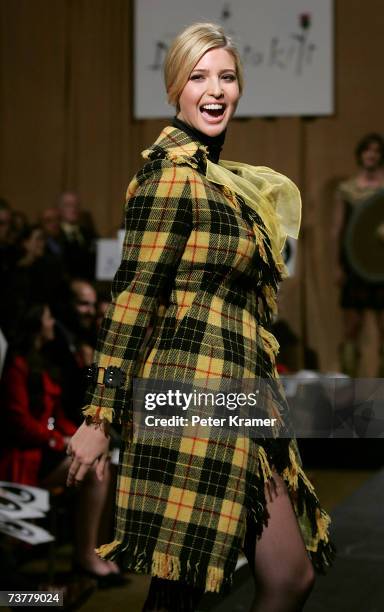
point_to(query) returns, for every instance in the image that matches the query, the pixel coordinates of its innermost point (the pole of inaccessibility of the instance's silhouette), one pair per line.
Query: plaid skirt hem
(313, 521)
(169, 567)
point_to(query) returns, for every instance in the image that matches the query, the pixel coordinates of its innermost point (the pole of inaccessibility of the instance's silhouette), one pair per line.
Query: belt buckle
(114, 377)
(90, 374)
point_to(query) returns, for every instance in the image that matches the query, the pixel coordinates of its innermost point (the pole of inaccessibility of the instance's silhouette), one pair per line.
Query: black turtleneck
(213, 143)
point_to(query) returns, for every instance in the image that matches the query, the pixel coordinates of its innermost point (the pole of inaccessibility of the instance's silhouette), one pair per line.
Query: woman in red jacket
(35, 424)
(35, 434)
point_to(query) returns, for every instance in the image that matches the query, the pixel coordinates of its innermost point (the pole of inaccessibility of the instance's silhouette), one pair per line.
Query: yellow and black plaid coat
(197, 270)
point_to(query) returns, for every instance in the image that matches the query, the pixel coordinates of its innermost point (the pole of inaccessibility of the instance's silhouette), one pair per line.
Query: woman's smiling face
(211, 93)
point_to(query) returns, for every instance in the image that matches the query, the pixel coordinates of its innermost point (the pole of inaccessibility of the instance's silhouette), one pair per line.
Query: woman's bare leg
(283, 572)
(91, 499)
(106, 522)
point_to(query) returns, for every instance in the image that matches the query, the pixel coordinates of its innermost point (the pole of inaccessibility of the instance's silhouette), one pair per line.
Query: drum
(364, 239)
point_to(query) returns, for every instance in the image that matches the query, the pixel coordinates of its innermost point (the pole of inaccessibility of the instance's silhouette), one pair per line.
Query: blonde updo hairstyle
(186, 51)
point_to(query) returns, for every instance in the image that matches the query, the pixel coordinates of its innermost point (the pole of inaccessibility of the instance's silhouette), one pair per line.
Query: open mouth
(214, 111)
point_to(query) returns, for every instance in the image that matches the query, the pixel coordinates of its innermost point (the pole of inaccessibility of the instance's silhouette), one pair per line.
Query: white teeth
(213, 106)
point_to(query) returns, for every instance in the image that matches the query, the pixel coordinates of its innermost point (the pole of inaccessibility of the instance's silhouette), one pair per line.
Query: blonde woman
(200, 268)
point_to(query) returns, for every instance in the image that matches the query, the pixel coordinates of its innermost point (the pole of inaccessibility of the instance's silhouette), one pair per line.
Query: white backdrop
(286, 46)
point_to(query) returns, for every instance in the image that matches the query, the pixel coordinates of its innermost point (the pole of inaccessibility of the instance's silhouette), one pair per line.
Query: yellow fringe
(105, 549)
(215, 576)
(264, 464)
(168, 567)
(103, 413)
(165, 566)
(291, 474)
(323, 521)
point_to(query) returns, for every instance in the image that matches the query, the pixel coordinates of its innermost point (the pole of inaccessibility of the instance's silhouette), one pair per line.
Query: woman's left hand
(89, 445)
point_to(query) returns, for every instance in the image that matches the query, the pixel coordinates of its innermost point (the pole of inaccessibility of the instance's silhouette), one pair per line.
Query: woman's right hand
(88, 445)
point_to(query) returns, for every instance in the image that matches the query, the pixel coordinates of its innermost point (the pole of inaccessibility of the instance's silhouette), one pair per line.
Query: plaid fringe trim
(305, 501)
(166, 566)
(264, 464)
(293, 471)
(102, 413)
(212, 579)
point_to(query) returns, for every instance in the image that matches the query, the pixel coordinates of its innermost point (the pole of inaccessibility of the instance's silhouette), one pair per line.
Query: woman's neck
(370, 176)
(213, 143)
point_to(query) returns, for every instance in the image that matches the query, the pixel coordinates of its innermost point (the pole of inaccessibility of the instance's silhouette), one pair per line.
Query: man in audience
(81, 316)
(78, 241)
(76, 341)
(50, 222)
(19, 224)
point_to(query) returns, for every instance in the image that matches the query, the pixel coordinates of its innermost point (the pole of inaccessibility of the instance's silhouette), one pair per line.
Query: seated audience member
(32, 415)
(23, 285)
(77, 317)
(53, 253)
(35, 435)
(75, 343)
(34, 278)
(50, 223)
(78, 240)
(19, 224)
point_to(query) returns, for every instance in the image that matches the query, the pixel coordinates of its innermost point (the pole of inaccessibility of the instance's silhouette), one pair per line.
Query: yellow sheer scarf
(272, 195)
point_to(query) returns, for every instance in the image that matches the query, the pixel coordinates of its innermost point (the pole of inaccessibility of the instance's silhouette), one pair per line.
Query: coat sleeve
(158, 223)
